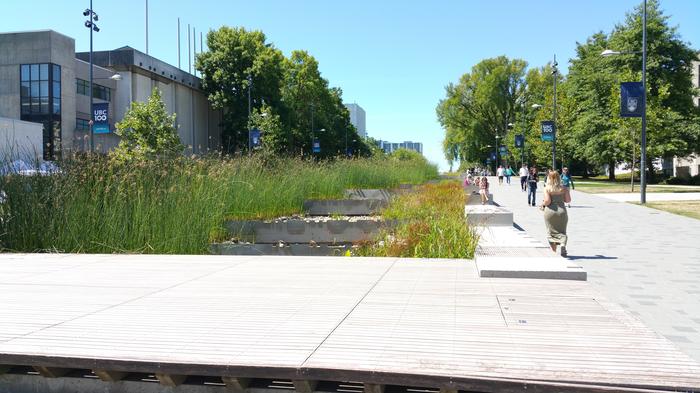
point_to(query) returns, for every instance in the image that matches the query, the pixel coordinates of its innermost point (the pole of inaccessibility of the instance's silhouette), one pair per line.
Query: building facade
(390, 147)
(358, 119)
(43, 80)
(690, 166)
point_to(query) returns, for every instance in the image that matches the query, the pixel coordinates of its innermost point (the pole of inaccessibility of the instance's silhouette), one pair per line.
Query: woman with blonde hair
(555, 215)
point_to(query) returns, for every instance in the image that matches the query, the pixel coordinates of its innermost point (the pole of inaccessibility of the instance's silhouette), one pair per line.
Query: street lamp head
(116, 77)
(86, 12)
(536, 106)
(609, 52)
(322, 130)
(510, 125)
(97, 29)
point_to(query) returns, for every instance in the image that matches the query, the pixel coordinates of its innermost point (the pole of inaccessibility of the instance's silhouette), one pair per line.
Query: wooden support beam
(236, 384)
(171, 380)
(51, 372)
(109, 375)
(304, 386)
(374, 388)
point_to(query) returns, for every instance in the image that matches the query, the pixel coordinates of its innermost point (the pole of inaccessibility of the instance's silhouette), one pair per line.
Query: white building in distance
(357, 118)
(390, 147)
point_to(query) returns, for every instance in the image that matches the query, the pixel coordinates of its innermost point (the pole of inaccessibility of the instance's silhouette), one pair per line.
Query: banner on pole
(520, 141)
(631, 99)
(254, 140)
(316, 146)
(100, 118)
(503, 150)
(548, 131)
(493, 156)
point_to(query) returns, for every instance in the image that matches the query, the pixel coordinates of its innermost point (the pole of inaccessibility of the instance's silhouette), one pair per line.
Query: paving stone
(685, 329)
(661, 249)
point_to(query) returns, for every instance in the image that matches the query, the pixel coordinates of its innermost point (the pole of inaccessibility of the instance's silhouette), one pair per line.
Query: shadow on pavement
(591, 257)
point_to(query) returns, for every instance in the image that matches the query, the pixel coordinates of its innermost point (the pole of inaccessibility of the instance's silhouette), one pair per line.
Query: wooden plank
(373, 388)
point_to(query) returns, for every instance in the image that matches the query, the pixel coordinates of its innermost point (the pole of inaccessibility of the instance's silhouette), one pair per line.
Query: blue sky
(391, 57)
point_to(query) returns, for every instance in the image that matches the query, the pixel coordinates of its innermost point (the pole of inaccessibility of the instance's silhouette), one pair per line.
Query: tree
(238, 60)
(148, 131)
(269, 124)
(479, 108)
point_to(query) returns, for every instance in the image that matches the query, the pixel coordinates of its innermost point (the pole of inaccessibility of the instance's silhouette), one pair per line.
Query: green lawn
(684, 208)
(603, 187)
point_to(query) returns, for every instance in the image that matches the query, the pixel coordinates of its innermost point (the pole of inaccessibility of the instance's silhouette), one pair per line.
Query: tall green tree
(148, 131)
(239, 60)
(480, 107)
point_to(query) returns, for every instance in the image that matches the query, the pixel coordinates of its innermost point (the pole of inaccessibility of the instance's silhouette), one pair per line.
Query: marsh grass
(98, 205)
(432, 225)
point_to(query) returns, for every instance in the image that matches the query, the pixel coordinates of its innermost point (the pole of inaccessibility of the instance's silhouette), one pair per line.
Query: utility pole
(555, 73)
(643, 158)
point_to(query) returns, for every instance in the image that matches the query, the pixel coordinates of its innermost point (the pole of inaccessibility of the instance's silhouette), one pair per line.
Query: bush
(690, 181)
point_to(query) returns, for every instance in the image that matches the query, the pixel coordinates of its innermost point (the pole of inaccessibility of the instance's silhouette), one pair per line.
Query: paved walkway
(645, 259)
(652, 196)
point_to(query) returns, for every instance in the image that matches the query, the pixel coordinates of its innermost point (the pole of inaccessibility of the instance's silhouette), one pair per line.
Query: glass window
(34, 89)
(35, 72)
(44, 105)
(25, 105)
(24, 89)
(24, 71)
(44, 88)
(56, 73)
(56, 106)
(56, 89)
(44, 72)
(35, 105)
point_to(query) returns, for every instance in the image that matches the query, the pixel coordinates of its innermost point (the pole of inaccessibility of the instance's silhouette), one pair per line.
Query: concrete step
(344, 207)
(294, 249)
(556, 268)
(299, 230)
(488, 215)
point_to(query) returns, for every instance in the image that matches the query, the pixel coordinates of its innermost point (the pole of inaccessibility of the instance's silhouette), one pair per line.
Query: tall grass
(98, 205)
(432, 225)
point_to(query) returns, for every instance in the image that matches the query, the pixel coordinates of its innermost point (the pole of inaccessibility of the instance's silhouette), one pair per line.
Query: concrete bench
(488, 215)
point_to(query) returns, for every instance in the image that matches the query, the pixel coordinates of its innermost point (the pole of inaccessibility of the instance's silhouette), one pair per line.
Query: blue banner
(503, 150)
(100, 116)
(254, 138)
(631, 99)
(520, 141)
(493, 156)
(316, 146)
(548, 131)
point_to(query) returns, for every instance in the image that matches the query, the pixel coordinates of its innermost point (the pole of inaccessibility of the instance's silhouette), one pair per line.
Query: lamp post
(643, 158)
(90, 24)
(555, 74)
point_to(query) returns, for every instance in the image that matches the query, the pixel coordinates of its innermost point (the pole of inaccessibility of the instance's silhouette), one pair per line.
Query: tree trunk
(651, 178)
(611, 171)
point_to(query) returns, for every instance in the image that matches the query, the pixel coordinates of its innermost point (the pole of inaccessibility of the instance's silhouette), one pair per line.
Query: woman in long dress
(555, 215)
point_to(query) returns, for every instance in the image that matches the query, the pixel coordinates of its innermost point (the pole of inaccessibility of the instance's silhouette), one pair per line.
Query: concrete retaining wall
(344, 207)
(305, 231)
(279, 249)
(488, 215)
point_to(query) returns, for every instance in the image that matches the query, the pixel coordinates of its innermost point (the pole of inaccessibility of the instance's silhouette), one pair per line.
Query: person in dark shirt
(532, 180)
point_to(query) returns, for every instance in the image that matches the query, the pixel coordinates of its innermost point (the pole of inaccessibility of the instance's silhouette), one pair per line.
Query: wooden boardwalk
(379, 321)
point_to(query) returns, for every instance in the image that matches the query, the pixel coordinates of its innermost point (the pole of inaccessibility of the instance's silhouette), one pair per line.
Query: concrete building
(20, 140)
(690, 166)
(389, 147)
(43, 80)
(357, 118)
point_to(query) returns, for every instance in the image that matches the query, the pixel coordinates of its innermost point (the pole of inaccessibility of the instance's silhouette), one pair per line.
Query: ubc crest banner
(631, 99)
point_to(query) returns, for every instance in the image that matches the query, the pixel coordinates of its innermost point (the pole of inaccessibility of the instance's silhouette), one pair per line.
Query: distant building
(357, 118)
(389, 147)
(43, 80)
(690, 165)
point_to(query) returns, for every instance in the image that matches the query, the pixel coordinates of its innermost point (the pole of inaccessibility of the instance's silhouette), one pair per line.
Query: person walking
(555, 215)
(532, 180)
(484, 190)
(567, 181)
(499, 173)
(523, 177)
(508, 173)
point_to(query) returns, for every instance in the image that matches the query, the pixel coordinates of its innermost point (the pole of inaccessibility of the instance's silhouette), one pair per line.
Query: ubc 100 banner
(100, 118)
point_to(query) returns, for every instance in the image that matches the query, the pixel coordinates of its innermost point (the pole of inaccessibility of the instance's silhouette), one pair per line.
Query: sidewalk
(646, 260)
